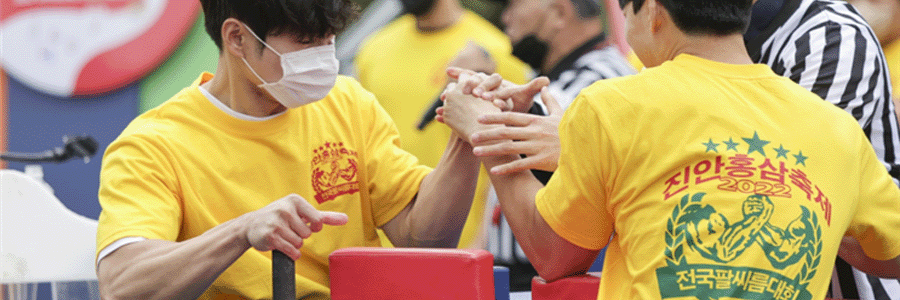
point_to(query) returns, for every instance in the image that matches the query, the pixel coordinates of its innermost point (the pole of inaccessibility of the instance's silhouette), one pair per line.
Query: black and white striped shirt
(826, 47)
(592, 61)
(585, 65)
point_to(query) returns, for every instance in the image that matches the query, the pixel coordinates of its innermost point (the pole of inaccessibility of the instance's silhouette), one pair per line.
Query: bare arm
(157, 269)
(437, 215)
(552, 256)
(852, 252)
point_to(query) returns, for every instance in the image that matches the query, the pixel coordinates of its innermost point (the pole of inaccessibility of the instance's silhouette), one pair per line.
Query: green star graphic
(800, 158)
(756, 144)
(710, 146)
(731, 145)
(781, 151)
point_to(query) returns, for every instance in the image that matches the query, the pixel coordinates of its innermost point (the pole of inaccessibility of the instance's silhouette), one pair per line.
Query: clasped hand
(490, 113)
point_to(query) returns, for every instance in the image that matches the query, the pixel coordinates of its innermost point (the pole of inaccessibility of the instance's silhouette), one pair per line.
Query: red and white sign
(85, 47)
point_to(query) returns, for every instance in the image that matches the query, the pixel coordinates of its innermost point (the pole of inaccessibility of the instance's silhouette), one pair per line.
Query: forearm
(156, 269)
(445, 196)
(551, 255)
(852, 252)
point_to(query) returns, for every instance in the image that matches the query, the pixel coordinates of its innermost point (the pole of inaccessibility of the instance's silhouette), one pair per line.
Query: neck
(892, 34)
(728, 49)
(444, 14)
(238, 93)
(568, 39)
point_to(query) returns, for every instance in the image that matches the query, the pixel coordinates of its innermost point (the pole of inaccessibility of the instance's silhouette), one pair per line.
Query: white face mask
(307, 75)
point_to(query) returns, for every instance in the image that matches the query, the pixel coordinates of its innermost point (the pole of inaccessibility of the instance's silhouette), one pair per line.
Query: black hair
(306, 20)
(715, 17)
(587, 9)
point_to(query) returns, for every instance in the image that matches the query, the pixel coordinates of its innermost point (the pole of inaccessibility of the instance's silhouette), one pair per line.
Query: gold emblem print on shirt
(698, 228)
(334, 170)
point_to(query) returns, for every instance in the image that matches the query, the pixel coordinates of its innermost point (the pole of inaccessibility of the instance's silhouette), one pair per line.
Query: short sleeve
(138, 193)
(876, 224)
(394, 174)
(574, 201)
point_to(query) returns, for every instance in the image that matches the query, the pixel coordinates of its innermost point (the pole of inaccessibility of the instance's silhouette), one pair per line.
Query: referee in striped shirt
(827, 47)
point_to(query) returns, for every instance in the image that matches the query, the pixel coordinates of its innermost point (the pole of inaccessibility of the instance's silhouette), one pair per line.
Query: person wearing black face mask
(417, 7)
(563, 40)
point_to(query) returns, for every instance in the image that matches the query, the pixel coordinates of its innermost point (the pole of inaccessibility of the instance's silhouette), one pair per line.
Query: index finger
(454, 72)
(507, 118)
(334, 218)
(492, 82)
(308, 212)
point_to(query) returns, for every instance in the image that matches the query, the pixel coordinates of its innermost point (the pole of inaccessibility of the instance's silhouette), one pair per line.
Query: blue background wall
(37, 122)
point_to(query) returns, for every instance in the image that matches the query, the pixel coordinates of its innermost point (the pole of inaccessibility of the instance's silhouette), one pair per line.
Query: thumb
(527, 90)
(553, 107)
(334, 218)
(535, 85)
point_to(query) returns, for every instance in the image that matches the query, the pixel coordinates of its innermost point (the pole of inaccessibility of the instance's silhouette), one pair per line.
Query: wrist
(239, 232)
(490, 162)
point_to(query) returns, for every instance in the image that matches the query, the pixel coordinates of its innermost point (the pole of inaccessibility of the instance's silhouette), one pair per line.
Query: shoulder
(348, 93)
(167, 118)
(608, 62)
(817, 14)
(485, 33)
(387, 35)
(167, 122)
(605, 95)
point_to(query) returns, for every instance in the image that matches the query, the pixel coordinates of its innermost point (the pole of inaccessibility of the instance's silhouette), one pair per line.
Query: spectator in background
(563, 40)
(260, 157)
(404, 65)
(884, 17)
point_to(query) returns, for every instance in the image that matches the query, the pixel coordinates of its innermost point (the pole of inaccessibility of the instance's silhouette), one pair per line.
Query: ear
(658, 15)
(560, 12)
(233, 37)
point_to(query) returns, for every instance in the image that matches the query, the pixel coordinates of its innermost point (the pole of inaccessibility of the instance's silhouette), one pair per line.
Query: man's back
(826, 47)
(718, 180)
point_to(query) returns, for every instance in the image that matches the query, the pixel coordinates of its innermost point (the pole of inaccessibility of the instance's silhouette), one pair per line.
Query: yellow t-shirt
(187, 166)
(405, 70)
(635, 61)
(719, 181)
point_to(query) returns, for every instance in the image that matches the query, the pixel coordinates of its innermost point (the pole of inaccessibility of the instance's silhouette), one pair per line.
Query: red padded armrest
(574, 288)
(411, 273)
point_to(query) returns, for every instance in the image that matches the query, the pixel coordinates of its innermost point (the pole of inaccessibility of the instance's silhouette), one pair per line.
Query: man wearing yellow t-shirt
(403, 66)
(274, 152)
(719, 178)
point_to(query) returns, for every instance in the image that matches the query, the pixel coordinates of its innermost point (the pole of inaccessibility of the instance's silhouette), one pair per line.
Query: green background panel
(196, 54)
